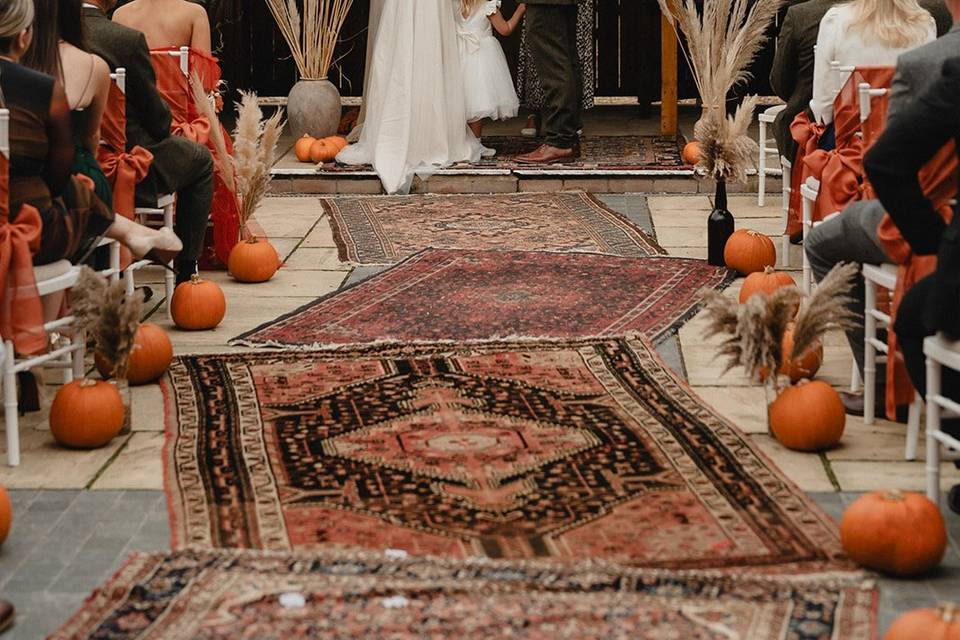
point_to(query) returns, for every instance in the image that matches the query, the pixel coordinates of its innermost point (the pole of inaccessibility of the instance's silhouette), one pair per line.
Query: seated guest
(167, 23)
(853, 236)
(862, 33)
(59, 49)
(933, 304)
(179, 165)
(42, 154)
(792, 73)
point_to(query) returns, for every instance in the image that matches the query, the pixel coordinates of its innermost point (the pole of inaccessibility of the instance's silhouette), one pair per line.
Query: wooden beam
(668, 78)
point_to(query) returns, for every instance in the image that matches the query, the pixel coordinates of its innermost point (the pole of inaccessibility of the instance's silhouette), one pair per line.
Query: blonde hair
(467, 7)
(895, 23)
(15, 17)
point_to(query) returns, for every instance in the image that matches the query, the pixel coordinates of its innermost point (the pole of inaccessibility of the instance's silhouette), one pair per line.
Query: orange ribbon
(840, 173)
(21, 314)
(125, 170)
(197, 129)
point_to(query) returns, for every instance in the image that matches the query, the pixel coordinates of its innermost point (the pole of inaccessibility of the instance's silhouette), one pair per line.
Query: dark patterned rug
(479, 295)
(265, 596)
(563, 450)
(385, 230)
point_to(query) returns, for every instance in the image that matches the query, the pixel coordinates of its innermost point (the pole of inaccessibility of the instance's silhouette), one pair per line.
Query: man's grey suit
(853, 235)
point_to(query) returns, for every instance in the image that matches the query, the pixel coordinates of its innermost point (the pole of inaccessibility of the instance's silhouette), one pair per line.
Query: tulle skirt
(488, 85)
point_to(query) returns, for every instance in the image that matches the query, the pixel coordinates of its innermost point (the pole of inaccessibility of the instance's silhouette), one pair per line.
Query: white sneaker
(487, 152)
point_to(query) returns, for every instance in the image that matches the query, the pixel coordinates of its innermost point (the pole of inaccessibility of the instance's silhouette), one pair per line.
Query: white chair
(808, 192)
(785, 169)
(161, 215)
(940, 352)
(767, 116)
(875, 350)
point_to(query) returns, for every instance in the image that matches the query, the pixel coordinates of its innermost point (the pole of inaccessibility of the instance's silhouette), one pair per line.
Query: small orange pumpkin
(691, 152)
(150, 356)
(198, 305)
(6, 514)
(806, 366)
(808, 417)
(86, 414)
(322, 151)
(302, 148)
(894, 532)
(338, 141)
(253, 260)
(749, 251)
(766, 281)
(923, 624)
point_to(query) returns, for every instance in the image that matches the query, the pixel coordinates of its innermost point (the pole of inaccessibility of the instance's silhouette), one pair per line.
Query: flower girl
(487, 83)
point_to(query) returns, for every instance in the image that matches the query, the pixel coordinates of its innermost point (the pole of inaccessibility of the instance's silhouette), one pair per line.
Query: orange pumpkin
(338, 141)
(302, 148)
(749, 251)
(926, 624)
(6, 514)
(894, 532)
(198, 305)
(86, 414)
(808, 417)
(253, 260)
(766, 281)
(149, 358)
(691, 152)
(323, 151)
(806, 366)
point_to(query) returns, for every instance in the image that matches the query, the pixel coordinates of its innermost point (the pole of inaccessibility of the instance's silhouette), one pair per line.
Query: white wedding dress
(414, 117)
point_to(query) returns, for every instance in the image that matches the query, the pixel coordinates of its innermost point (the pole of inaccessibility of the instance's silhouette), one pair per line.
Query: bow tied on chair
(21, 314)
(840, 173)
(125, 170)
(196, 129)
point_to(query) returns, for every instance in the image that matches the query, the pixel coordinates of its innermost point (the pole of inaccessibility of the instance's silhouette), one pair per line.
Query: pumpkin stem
(88, 382)
(948, 611)
(894, 495)
(767, 270)
(195, 278)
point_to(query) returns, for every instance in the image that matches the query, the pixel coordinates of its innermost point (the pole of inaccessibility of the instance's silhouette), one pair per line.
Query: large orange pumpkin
(926, 624)
(338, 141)
(150, 356)
(691, 152)
(86, 414)
(323, 151)
(198, 305)
(749, 251)
(6, 514)
(253, 260)
(302, 148)
(767, 281)
(808, 417)
(894, 532)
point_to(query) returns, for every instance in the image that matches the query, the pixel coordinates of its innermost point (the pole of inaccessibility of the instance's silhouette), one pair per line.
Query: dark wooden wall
(627, 49)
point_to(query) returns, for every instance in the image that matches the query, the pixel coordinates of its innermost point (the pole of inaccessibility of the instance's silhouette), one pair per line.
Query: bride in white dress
(414, 113)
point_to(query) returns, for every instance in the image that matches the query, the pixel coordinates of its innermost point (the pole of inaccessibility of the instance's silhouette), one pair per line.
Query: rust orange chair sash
(21, 314)
(125, 169)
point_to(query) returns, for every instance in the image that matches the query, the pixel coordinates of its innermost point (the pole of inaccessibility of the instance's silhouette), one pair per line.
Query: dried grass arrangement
(721, 42)
(312, 39)
(109, 318)
(254, 153)
(754, 330)
(206, 107)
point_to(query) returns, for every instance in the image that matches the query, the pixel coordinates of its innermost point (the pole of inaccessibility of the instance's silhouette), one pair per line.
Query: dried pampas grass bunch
(313, 38)
(754, 330)
(110, 318)
(206, 108)
(721, 42)
(254, 152)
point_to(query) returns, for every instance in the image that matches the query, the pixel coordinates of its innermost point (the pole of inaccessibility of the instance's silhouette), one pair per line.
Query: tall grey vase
(313, 109)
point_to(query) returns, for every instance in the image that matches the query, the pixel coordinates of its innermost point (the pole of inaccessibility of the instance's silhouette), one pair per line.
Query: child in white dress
(487, 82)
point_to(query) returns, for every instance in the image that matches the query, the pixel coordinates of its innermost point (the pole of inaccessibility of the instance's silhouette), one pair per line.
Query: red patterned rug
(383, 230)
(563, 450)
(479, 295)
(260, 596)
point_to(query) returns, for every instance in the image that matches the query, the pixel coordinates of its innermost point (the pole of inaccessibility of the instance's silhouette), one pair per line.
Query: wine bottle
(720, 226)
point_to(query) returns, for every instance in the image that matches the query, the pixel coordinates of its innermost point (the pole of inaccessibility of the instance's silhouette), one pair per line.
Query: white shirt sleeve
(823, 81)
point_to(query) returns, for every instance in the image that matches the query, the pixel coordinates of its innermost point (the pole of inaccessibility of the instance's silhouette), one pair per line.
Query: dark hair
(55, 20)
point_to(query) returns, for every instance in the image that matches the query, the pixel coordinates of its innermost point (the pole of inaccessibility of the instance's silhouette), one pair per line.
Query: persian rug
(560, 450)
(383, 230)
(262, 596)
(478, 295)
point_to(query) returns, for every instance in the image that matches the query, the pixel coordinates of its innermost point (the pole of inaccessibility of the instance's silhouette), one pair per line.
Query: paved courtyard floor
(78, 514)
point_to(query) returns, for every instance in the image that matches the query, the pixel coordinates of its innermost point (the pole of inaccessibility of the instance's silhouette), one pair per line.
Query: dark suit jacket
(792, 73)
(909, 141)
(148, 117)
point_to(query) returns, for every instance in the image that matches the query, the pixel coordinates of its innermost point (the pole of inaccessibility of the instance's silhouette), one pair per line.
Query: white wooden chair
(940, 352)
(786, 168)
(767, 151)
(52, 280)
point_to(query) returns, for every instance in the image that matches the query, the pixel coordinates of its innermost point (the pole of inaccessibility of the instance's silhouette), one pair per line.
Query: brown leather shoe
(546, 154)
(7, 615)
